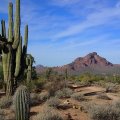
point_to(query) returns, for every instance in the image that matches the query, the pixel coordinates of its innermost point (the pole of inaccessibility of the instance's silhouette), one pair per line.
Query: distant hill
(90, 63)
(40, 69)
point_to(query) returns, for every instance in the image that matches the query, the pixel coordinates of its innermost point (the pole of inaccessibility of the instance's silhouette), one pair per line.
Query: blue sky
(62, 30)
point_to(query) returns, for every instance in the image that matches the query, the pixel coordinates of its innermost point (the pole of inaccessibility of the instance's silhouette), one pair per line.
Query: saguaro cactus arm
(18, 59)
(17, 26)
(26, 39)
(10, 30)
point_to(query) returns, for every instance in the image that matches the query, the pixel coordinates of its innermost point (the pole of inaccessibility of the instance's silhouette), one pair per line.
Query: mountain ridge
(92, 62)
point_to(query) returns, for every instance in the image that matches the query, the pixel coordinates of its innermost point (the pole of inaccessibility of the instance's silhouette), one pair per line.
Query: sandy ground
(91, 93)
(76, 114)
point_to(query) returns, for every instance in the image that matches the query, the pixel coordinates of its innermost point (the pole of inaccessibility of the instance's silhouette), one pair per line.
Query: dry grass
(48, 114)
(53, 102)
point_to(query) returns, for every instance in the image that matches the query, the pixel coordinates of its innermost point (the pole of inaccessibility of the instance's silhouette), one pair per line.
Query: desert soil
(76, 114)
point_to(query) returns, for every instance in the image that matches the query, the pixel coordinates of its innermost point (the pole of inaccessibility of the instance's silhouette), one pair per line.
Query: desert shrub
(34, 99)
(103, 96)
(5, 102)
(31, 86)
(50, 87)
(64, 93)
(33, 96)
(34, 85)
(12, 108)
(39, 83)
(37, 98)
(104, 112)
(117, 104)
(49, 73)
(55, 85)
(114, 78)
(48, 114)
(2, 116)
(110, 87)
(10, 116)
(44, 96)
(73, 78)
(53, 102)
(90, 78)
(78, 96)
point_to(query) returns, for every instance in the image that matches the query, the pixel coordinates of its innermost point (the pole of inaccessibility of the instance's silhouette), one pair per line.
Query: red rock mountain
(89, 63)
(92, 59)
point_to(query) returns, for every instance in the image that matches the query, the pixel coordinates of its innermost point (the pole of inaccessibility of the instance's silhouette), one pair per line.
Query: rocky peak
(92, 59)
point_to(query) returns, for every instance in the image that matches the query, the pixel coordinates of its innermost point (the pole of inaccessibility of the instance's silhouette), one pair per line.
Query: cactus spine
(22, 103)
(13, 57)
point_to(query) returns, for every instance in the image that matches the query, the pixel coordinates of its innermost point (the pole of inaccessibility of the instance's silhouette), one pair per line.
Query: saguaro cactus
(11, 47)
(13, 57)
(29, 62)
(66, 74)
(22, 103)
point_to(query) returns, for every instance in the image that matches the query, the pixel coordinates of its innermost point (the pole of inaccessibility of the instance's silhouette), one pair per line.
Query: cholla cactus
(22, 103)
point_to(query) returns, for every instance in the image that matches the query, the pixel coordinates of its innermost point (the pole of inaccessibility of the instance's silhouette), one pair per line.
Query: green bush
(90, 77)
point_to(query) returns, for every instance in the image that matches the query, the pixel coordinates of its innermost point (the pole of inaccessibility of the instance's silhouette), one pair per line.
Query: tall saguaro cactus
(13, 57)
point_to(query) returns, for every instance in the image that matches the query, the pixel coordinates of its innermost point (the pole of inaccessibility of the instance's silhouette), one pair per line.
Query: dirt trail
(94, 90)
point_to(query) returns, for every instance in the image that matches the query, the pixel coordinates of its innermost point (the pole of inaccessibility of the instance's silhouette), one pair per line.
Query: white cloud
(102, 17)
